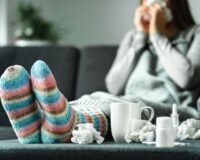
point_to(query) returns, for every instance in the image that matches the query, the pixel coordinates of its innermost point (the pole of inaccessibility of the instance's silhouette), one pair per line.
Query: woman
(160, 59)
(160, 62)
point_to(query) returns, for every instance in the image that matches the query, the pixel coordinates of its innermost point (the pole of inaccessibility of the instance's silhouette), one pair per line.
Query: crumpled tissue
(140, 131)
(189, 129)
(86, 134)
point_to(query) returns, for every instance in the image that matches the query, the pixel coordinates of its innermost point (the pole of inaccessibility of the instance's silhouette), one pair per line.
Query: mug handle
(152, 112)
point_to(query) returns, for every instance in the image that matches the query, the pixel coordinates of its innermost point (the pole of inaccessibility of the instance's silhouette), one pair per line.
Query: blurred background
(74, 22)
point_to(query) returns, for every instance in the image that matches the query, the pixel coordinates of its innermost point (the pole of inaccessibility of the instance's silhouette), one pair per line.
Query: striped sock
(95, 116)
(60, 118)
(19, 103)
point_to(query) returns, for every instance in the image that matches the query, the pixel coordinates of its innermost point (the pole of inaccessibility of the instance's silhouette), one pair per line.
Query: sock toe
(14, 77)
(40, 69)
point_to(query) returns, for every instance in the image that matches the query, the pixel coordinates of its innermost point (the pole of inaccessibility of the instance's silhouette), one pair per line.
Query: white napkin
(189, 129)
(140, 131)
(86, 134)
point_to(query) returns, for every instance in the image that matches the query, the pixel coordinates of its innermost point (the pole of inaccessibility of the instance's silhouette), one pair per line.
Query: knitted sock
(95, 116)
(59, 117)
(19, 103)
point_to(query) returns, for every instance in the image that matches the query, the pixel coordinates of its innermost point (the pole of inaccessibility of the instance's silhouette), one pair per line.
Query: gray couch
(78, 72)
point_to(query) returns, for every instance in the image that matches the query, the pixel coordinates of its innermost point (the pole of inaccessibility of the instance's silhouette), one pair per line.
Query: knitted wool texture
(19, 103)
(60, 118)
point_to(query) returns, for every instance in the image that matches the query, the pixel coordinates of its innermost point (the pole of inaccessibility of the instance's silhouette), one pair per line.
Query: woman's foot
(19, 103)
(60, 118)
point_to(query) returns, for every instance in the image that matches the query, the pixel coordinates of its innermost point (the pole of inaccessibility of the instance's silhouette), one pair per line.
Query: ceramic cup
(121, 116)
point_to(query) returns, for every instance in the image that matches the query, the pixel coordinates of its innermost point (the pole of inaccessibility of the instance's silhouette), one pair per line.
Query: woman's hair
(182, 16)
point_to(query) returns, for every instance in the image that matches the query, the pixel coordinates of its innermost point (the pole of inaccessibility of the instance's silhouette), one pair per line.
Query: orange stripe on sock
(22, 112)
(14, 93)
(59, 129)
(30, 129)
(44, 83)
(56, 107)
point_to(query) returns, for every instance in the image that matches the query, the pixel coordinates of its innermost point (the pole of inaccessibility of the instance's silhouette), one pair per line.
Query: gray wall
(3, 23)
(88, 21)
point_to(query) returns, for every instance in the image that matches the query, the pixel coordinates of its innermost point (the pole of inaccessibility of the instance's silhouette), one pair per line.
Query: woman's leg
(19, 103)
(59, 117)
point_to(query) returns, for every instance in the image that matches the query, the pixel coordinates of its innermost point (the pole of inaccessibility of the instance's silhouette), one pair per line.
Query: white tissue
(86, 134)
(150, 2)
(189, 129)
(140, 131)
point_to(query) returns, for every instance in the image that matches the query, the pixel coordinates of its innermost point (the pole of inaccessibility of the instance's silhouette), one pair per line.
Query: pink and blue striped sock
(19, 103)
(60, 118)
(95, 116)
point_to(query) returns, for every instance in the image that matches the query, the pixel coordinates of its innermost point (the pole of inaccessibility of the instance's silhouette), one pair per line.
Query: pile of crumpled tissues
(189, 129)
(86, 134)
(140, 131)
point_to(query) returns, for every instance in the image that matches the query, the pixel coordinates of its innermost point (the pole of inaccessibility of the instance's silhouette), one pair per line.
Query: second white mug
(136, 111)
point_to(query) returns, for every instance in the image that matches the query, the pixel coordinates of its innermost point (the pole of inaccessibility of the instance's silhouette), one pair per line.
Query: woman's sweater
(158, 69)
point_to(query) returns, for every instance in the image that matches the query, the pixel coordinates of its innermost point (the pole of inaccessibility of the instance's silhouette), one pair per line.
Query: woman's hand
(140, 23)
(158, 19)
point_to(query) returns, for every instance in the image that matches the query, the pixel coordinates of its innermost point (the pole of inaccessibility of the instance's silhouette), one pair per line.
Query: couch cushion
(62, 60)
(12, 150)
(7, 133)
(94, 64)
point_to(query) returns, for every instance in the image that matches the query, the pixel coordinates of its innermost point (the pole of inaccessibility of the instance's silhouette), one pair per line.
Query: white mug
(121, 116)
(136, 111)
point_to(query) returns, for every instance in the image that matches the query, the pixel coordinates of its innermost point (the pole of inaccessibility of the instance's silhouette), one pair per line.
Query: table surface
(11, 149)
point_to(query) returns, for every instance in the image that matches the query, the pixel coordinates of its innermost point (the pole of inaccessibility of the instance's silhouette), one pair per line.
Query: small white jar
(164, 132)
